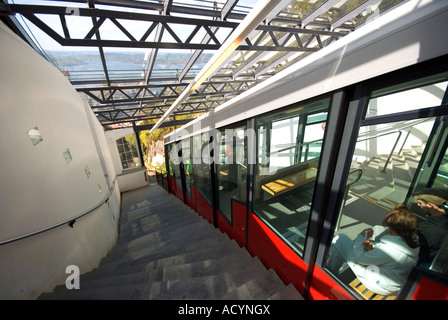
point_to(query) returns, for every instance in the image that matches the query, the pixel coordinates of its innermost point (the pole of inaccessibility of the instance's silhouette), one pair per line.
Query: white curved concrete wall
(38, 187)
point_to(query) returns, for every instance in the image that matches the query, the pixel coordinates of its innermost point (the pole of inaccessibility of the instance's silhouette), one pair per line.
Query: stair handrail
(296, 146)
(409, 124)
(71, 221)
(346, 190)
(400, 132)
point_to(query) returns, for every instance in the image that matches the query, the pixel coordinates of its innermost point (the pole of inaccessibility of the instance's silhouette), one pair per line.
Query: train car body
(327, 147)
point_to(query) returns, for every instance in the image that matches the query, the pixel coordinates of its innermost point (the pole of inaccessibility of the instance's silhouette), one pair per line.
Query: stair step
(287, 293)
(259, 288)
(120, 292)
(200, 268)
(153, 222)
(167, 251)
(212, 245)
(157, 223)
(123, 279)
(138, 247)
(201, 250)
(206, 287)
(202, 253)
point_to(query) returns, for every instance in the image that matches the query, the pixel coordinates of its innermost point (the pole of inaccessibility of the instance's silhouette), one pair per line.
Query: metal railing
(393, 148)
(346, 190)
(71, 221)
(162, 179)
(305, 155)
(400, 132)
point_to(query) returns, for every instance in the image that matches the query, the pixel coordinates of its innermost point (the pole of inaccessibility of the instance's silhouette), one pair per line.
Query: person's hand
(369, 233)
(367, 245)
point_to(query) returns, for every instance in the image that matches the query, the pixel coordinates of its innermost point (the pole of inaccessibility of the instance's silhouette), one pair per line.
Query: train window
(411, 95)
(284, 148)
(175, 160)
(201, 165)
(188, 166)
(288, 152)
(170, 160)
(231, 168)
(376, 242)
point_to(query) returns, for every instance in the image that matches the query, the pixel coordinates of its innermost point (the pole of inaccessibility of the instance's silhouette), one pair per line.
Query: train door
(429, 280)
(174, 154)
(186, 169)
(289, 146)
(231, 165)
(201, 188)
(399, 148)
(433, 167)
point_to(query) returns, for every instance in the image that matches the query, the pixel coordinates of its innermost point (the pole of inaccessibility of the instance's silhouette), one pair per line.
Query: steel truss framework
(281, 40)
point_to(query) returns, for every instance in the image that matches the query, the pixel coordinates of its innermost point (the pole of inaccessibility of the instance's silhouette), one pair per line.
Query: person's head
(402, 222)
(431, 201)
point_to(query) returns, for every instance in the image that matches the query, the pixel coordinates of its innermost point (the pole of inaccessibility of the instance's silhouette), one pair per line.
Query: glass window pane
(201, 165)
(313, 136)
(188, 168)
(289, 145)
(170, 160)
(318, 117)
(176, 157)
(283, 142)
(231, 169)
(367, 248)
(127, 149)
(413, 95)
(441, 180)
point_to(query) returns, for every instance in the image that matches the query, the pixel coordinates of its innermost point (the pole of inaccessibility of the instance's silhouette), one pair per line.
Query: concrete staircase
(167, 251)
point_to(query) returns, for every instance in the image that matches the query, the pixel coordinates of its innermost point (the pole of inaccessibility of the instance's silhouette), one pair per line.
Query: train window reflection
(289, 144)
(170, 160)
(231, 169)
(175, 162)
(188, 166)
(383, 166)
(413, 95)
(201, 165)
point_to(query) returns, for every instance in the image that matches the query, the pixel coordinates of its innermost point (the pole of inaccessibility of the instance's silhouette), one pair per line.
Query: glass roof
(131, 59)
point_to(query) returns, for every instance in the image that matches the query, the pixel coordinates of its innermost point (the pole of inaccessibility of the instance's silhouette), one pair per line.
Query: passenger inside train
(434, 230)
(381, 257)
(388, 165)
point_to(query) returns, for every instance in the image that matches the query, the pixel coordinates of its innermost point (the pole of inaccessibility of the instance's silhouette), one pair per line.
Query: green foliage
(147, 139)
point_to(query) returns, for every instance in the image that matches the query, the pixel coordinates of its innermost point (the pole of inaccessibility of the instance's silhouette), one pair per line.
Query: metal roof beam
(281, 5)
(353, 13)
(166, 124)
(227, 8)
(161, 22)
(319, 11)
(252, 20)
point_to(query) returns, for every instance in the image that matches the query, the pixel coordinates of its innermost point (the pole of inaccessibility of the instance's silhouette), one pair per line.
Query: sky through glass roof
(131, 59)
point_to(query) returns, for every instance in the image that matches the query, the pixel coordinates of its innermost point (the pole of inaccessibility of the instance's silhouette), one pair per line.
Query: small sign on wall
(35, 135)
(67, 155)
(87, 171)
